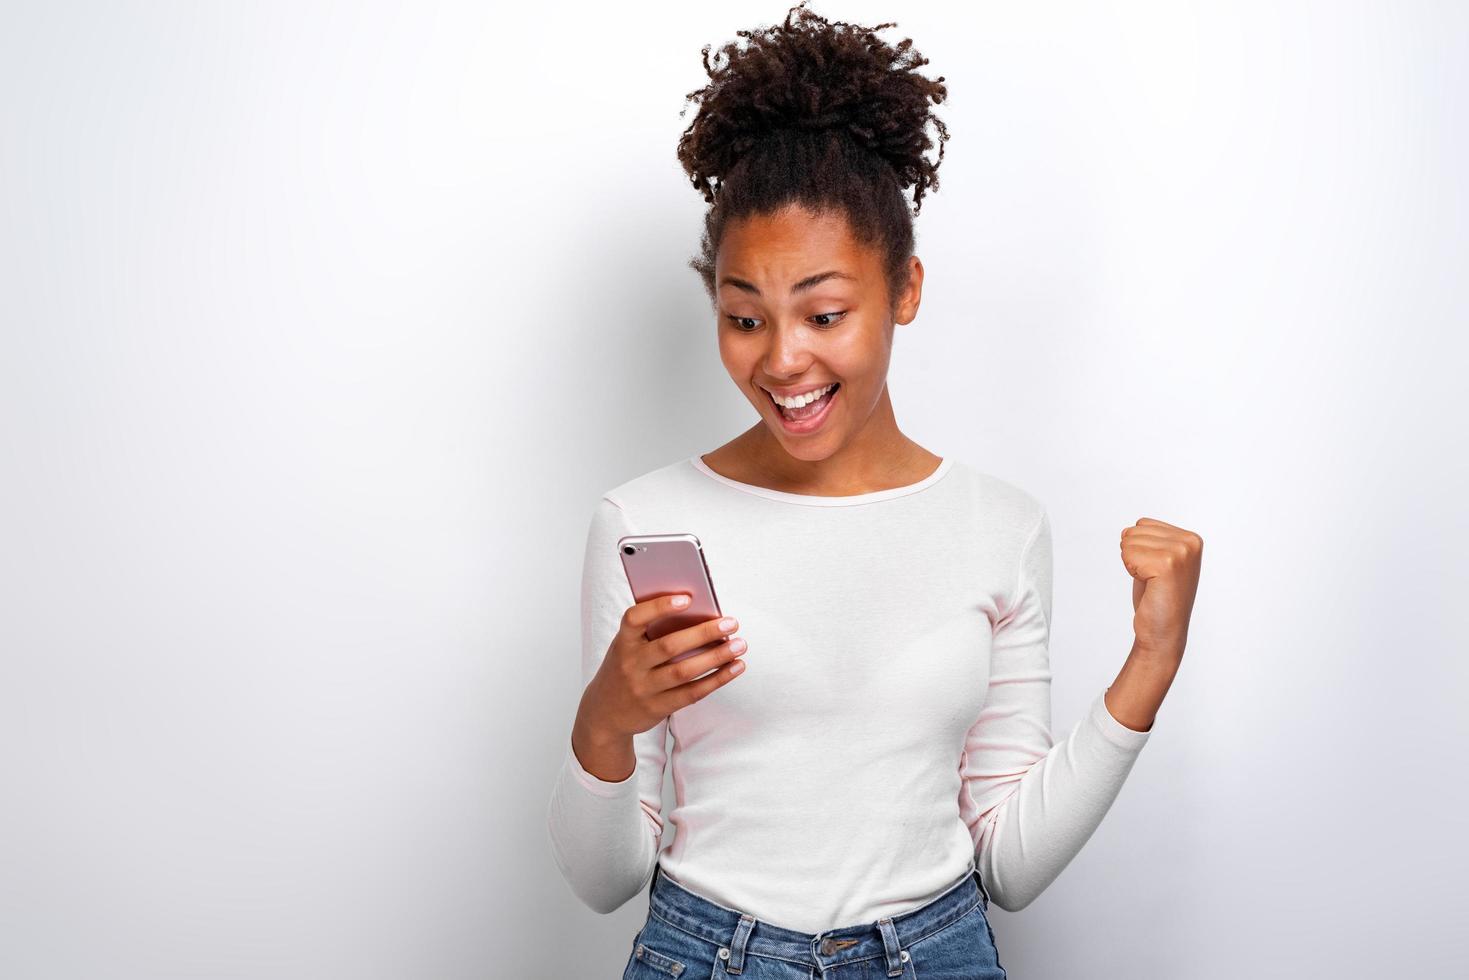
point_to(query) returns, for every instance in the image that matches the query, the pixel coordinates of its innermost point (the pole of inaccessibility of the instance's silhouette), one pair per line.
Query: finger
(1150, 532)
(686, 694)
(710, 631)
(1146, 557)
(637, 616)
(672, 675)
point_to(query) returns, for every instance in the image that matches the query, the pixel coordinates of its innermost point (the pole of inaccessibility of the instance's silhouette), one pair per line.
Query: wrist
(605, 755)
(594, 732)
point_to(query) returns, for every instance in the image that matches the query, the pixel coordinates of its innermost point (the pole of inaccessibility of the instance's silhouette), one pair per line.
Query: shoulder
(1001, 501)
(625, 508)
(671, 481)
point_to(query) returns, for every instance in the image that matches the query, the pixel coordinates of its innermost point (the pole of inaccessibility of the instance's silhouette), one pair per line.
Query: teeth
(801, 400)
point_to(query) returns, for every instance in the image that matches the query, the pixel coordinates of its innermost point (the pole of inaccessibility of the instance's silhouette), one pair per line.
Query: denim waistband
(735, 931)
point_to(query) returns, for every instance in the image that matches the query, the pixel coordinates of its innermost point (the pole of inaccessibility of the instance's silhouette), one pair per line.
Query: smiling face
(802, 306)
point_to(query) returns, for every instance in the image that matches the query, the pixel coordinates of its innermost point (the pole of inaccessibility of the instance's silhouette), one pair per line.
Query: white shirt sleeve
(1031, 804)
(605, 835)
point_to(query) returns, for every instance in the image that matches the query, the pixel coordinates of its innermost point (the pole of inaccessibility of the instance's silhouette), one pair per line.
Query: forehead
(791, 243)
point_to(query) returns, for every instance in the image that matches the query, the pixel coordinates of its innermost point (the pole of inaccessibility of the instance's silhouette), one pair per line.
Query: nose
(786, 357)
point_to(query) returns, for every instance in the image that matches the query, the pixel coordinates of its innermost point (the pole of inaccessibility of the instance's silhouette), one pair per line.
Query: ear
(909, 296)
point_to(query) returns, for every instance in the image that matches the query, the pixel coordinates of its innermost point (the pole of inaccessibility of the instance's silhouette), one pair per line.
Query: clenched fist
(1163, 561)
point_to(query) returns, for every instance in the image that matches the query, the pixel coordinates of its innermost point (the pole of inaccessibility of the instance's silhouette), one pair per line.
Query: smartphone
(663, 564)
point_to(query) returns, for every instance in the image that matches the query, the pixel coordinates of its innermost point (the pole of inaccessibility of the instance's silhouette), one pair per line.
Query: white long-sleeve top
(892, 728)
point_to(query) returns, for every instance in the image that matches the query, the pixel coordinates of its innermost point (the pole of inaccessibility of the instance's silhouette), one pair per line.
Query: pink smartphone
(662, 564)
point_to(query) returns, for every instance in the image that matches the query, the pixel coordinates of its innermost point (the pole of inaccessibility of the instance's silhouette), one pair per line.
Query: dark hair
(820, 113)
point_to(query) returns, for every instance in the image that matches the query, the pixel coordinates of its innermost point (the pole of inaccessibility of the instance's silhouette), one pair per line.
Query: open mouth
(808, 416)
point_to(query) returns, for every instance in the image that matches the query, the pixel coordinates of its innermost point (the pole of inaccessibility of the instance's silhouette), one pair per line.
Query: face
(787, 327)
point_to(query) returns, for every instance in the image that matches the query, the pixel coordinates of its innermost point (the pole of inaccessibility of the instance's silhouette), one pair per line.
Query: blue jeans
(687, 936)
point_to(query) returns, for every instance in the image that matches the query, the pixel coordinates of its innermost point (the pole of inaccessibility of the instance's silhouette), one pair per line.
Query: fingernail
(727, 623)
(680, 600)
(737, 666)
(737, 644)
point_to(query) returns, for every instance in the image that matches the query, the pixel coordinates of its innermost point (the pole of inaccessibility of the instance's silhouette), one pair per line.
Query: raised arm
(1031, 803)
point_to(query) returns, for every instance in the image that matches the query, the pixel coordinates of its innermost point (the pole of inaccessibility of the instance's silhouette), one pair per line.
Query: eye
(738, 321)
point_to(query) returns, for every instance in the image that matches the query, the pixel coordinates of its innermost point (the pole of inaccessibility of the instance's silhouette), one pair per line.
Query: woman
(851, 805)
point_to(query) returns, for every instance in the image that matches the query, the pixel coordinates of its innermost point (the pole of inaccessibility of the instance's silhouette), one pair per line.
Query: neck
(878, 456)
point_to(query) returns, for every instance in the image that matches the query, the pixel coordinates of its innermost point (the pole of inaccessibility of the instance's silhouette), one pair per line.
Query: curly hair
(820, 113)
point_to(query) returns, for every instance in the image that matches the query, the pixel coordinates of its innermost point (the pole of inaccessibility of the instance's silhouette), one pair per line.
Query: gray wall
(324, 326)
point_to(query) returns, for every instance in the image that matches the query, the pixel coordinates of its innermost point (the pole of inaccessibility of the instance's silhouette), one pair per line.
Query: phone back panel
(663, 564)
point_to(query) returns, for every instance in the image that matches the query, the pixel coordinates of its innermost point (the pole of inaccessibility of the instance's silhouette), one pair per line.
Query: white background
(325, 326)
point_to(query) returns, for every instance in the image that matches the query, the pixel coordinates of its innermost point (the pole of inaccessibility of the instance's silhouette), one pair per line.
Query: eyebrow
(806, 283)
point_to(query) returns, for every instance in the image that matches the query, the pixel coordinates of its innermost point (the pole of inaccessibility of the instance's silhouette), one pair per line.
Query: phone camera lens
(628, 549)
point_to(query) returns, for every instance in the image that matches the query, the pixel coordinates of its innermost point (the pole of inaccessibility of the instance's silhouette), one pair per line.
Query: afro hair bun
(811, 74)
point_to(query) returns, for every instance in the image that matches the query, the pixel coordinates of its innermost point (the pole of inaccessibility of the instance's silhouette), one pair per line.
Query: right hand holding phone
(636, 687)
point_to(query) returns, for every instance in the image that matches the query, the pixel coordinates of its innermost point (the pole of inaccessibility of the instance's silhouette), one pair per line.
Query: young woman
(851, 804)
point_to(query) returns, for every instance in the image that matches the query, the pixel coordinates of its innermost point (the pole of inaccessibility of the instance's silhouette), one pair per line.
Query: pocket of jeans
(661, 964)
(659, 952)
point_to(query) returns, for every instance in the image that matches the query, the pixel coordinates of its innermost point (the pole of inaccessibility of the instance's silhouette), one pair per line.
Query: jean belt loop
(983, 892)
(736, 963)
(890, 946)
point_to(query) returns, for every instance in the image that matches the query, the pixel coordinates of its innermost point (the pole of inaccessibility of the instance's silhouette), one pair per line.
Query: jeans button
(828, 947)
(723, 953)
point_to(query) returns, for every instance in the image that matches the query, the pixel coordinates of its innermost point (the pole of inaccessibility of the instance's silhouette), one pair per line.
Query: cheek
(861, 362)
(728, 353)
(736, 361)
(738, 364)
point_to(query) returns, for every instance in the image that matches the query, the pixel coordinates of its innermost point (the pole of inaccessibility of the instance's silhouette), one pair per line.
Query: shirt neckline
(818, 500)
